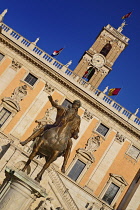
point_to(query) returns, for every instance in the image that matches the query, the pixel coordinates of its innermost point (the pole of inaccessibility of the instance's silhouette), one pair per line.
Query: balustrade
(74, 78)
(37, 51)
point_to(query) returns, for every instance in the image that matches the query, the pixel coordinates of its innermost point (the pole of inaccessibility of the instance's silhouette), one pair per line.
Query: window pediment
(11, 104)
(119, 178)
(86, 154)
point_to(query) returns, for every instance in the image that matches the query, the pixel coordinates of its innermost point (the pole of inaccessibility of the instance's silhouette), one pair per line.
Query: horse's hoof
(63, 170)
(22, 143)
(23, 169)
(38, 179)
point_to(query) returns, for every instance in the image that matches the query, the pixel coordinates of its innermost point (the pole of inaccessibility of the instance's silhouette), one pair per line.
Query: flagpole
(60, 52)
(118, 94)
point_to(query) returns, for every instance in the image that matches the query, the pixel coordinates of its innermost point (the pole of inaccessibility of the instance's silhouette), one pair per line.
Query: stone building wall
(108, 157)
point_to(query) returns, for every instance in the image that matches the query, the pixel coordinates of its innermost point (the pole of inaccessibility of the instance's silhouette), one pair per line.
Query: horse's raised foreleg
(33, 154)
(66, 155)
(47, 164)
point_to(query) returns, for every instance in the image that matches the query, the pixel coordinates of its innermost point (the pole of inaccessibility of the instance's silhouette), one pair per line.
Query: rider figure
(64, 115)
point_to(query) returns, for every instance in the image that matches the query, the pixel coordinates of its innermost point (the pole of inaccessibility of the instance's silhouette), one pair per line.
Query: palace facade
(104, 166)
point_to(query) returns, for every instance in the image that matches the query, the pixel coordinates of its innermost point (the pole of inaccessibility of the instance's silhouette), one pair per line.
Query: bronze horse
(54, 141)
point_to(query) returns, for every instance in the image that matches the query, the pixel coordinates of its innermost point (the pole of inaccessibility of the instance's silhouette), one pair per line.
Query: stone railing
(62, 189)
(82, 196)
(70, 75)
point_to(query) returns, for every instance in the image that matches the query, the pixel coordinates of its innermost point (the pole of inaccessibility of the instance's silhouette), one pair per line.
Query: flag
(127, 15)
(114, 91)
(88, 74)
(57, 52)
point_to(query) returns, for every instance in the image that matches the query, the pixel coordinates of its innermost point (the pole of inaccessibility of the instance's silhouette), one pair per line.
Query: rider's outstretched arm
(53, 103)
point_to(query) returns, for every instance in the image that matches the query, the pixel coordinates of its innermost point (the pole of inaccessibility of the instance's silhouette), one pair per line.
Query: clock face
(98, 60)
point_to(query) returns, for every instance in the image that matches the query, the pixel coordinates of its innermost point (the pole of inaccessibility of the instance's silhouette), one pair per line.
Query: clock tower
(97, 62)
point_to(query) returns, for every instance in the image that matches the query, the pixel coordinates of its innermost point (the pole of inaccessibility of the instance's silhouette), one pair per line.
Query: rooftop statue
(120, 29)
(35, 42)
(136, 112)
(55, 139)
(106, 89)
(3, 14)
(69, 63)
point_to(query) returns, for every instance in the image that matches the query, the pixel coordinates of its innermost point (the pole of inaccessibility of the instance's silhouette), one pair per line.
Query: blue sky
(75, 26)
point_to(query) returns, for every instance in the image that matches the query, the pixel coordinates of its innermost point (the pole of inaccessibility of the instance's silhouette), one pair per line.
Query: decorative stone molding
(12, 103)
(87, 115)
(95, 205)
(3, 136)
(106, 34)
(47, 204)
(92, 144)
(120, 138)
(87, 58)
(119, 179)
(15, 65)
(43, 121)
(46, 119)
(4, 141)
(19, 93)
(48, 88)
(88, 156)
(4, 145)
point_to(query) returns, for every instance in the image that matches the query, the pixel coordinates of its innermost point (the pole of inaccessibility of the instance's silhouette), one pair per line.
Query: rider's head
(76, 104)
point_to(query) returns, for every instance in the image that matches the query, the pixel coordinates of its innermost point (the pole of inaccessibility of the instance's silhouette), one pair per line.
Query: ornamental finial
(35, 42)
(120, 29)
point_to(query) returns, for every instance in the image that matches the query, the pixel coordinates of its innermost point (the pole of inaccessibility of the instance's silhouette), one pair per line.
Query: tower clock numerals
(98, 60)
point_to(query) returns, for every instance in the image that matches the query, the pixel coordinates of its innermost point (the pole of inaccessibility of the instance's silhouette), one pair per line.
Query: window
(113, 188)
(1, 56)
(106, 49)
(110, 193)
(89, 73)
(66, 103)
(31, 79)
(102, 129)
(76, 170)
(4, 115)
(134, 152)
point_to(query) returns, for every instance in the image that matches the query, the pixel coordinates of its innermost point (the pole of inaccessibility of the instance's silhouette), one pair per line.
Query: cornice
(66, 83)
(116, 34)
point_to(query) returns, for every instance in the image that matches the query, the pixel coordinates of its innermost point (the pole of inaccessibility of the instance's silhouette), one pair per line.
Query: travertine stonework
(108, 146)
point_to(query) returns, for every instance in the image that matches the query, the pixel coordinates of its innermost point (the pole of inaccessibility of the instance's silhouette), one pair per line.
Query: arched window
(105, 50)
(89, 73)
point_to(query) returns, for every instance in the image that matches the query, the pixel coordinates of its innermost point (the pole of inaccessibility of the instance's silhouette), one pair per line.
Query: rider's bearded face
(76, 105)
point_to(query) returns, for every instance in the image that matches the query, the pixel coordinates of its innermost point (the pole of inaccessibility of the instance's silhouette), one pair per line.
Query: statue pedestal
(19, 191)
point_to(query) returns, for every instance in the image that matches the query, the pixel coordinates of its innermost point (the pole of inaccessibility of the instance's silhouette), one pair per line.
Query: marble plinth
(19, 191)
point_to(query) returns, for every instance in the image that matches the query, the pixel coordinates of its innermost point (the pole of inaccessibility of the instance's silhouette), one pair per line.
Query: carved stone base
(19, 191)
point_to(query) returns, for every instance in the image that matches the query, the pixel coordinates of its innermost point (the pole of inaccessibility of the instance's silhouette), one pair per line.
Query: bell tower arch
(97, 62)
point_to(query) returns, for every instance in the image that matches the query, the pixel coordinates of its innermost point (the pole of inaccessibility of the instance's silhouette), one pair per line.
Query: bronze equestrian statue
(55, 139)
